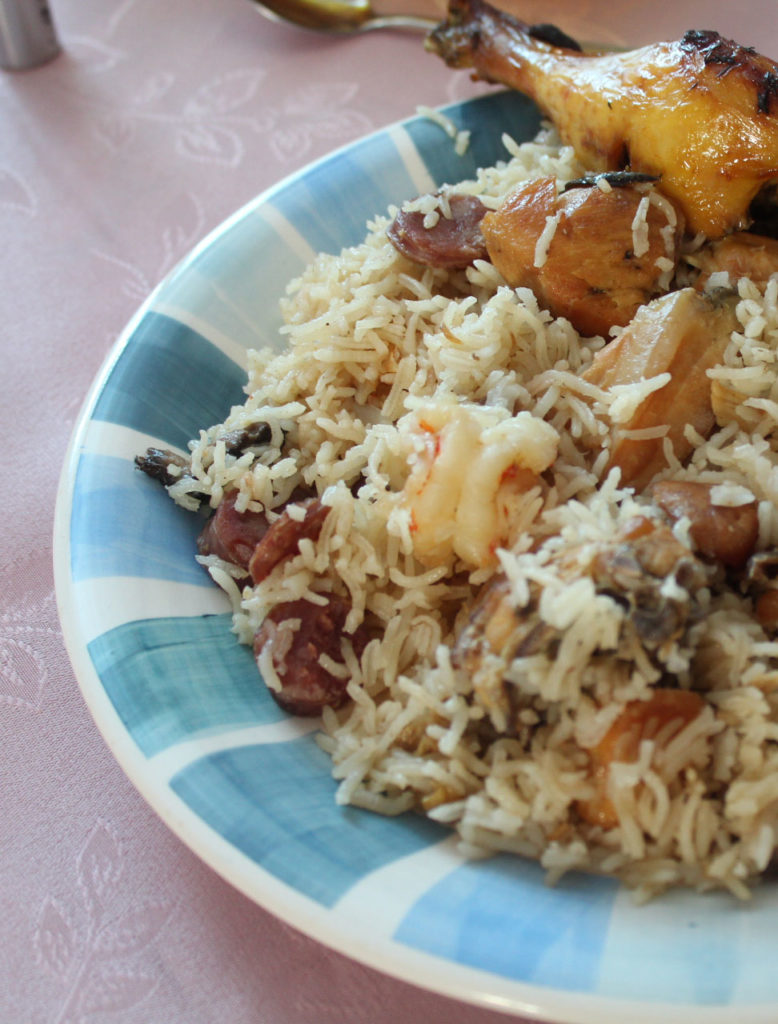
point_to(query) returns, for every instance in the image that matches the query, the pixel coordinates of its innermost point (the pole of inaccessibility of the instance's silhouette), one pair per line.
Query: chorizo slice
(295, 635)
(232, 535)
(282, 539)
(724, 534)
(451, 243)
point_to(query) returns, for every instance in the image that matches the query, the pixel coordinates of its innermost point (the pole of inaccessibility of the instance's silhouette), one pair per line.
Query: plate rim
(417, 968)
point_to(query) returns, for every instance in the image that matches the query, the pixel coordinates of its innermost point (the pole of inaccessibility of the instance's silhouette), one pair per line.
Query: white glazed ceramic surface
(181, 705)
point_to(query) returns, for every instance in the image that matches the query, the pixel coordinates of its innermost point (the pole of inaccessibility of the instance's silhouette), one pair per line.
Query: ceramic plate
(247, 788)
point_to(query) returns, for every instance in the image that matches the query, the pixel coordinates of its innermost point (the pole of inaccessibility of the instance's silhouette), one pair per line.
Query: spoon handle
(340, 17)
(406, 22)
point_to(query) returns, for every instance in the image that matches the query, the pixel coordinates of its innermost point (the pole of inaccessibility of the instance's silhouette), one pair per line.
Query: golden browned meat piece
(740, 255)
(682, 334)
(701, 112)
(760, 582)
(660, 718)
(724, 534)
(578, 250)
(766, 611)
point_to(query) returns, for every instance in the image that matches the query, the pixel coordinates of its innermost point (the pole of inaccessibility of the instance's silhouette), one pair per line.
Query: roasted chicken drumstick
(702, 112)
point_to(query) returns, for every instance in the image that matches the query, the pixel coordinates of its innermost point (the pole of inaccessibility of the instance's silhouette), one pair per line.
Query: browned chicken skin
(590, 273)
(740, 255)
(723, 534)
(701, 112)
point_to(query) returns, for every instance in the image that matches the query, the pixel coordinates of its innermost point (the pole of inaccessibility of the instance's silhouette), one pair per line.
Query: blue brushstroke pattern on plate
(173, 680)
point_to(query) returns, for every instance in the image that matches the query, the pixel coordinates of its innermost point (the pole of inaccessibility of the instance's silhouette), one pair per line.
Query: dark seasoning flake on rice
(530, 596)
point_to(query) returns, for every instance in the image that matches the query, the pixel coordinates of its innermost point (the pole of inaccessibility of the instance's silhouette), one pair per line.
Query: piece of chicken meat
(701, 113)
(607, 251)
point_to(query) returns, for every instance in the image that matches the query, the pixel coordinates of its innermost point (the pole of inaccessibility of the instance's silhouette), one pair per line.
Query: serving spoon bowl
(343, 17)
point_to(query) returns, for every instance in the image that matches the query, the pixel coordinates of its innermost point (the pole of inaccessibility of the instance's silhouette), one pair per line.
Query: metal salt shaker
(27, 34)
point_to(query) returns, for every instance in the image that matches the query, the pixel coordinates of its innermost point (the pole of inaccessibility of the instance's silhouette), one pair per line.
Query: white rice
(374, 344)
(545, 239)
(640, 243)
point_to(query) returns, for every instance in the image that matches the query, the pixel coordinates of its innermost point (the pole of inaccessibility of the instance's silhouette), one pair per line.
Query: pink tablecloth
(156, 122)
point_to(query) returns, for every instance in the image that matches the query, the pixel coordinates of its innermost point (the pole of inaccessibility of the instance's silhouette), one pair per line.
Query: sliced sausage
(720, 533)
(452, 243)
(282, 539)
(232, 535)
(306, 685)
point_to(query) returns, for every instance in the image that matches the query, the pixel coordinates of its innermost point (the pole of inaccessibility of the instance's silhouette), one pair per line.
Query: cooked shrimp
(702, 112)
(470, 467)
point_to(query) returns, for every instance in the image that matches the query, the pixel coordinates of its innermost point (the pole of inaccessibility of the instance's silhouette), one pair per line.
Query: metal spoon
(339, 16)
(345, 17)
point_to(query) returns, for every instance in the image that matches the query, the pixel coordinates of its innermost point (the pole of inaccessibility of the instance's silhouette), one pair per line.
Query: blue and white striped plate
(180, 704)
